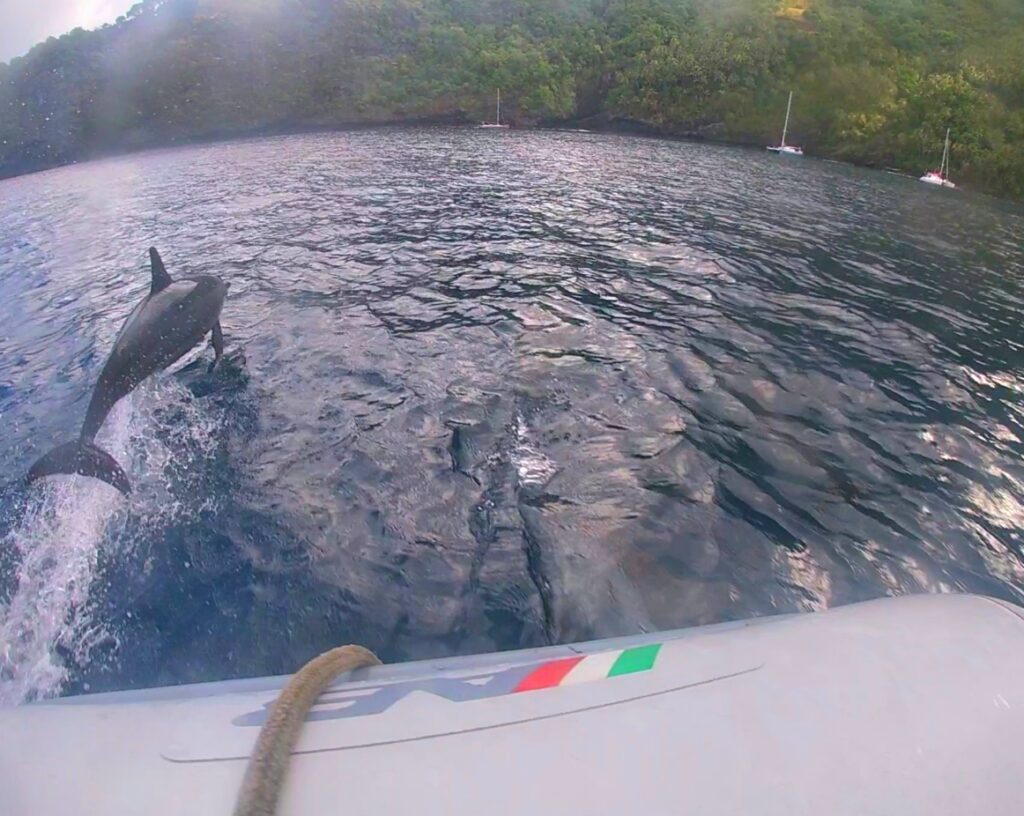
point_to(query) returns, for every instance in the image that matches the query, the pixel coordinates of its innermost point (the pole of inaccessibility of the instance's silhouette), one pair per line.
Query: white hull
(911, 706)
(786, 150)
(937, 180)
(492, 125)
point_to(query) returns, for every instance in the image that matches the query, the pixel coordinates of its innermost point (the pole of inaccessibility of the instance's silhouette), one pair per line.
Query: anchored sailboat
(940, 177)
(782, 148)
(497, 116)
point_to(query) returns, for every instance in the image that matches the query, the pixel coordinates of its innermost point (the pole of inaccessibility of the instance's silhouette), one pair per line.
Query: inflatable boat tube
(900, 706)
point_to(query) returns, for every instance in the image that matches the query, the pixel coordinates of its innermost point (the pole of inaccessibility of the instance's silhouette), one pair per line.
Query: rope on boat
(268, 764)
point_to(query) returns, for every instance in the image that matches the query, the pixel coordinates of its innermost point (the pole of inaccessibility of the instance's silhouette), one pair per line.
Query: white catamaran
(940, 177)
(497, 116)
(782, 148)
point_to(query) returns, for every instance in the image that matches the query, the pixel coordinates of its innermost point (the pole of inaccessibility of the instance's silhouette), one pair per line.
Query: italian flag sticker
(572, 670)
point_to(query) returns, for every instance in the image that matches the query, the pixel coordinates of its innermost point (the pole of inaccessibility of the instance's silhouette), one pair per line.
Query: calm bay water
(493, 390)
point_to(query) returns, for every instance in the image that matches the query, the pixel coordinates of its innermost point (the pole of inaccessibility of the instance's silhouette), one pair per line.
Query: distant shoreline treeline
(876, 81)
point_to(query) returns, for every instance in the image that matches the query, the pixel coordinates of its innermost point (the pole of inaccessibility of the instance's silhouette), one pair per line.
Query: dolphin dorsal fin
(161, 280)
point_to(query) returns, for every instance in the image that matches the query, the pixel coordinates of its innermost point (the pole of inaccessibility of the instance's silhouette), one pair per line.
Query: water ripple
(500, 390)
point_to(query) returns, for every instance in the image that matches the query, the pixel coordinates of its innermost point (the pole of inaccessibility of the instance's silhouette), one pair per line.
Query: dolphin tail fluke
(84, 458)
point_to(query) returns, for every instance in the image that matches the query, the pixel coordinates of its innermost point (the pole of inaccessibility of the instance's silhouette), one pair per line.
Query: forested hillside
(876, 81)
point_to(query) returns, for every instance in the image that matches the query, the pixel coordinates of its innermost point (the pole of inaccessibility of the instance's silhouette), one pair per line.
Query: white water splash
(532, 466)
(58, 543)
(67, 524)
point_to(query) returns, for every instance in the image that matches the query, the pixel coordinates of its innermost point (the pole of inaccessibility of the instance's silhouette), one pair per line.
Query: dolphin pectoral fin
(84, 458)
(217, 340)
(161, 280)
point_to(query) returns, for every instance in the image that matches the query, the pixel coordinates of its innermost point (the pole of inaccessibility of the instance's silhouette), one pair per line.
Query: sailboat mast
(944, 167)
(497, 114)
(785, 127)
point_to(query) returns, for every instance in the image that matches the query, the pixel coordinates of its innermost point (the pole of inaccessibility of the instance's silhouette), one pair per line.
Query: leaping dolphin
(168, 323)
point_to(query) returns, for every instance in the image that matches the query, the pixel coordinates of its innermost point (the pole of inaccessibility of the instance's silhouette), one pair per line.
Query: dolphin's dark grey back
(170, 321)
(165, 327)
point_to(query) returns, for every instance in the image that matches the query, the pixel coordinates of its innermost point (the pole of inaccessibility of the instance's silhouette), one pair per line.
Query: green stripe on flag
(635, 660)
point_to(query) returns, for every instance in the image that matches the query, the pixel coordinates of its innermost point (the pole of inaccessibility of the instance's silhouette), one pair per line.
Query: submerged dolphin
(175, 316)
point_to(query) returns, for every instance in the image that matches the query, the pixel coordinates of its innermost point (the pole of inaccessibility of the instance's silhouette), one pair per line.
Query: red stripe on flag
(547, 675)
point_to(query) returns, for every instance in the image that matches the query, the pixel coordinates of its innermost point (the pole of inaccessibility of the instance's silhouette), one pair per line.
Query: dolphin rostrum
(171, 320)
